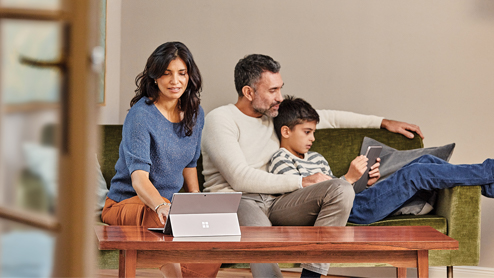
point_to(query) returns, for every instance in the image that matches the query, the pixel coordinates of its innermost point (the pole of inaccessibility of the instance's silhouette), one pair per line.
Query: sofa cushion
(112, 135)
(437, 222)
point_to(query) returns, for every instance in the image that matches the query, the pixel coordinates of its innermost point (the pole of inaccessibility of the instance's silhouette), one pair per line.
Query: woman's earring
(155, 82)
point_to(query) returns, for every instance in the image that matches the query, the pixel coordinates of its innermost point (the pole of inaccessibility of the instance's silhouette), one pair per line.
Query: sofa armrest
(461, 207)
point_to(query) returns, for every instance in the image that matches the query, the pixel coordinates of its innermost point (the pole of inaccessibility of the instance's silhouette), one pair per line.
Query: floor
(223, 273)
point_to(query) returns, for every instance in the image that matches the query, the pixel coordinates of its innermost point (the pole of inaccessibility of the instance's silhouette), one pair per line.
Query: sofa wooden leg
(449, 271)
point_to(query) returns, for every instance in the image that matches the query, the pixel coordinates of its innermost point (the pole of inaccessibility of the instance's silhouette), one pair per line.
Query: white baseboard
(434, 272)
(462, 272)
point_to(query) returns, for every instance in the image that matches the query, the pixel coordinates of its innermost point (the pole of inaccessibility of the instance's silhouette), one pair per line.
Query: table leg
(423, 263)
(127, 262)
(401, 272)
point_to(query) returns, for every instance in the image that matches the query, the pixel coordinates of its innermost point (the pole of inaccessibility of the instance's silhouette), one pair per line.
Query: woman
(160, 146)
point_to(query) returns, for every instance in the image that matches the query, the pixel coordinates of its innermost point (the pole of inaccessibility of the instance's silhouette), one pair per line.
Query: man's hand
(374, 173)
(402, 128)
(312, 179)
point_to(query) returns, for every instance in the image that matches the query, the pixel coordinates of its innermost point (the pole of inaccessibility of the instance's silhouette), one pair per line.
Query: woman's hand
(374, 173)
(357, 169)
(162, 212)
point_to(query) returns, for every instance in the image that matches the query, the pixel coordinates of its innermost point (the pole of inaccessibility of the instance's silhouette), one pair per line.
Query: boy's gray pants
(326, 203)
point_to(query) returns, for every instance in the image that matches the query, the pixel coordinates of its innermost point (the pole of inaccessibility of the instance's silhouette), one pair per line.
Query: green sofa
(456, 213)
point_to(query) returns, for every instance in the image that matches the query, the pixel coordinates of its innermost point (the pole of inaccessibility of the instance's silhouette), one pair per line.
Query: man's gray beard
(266, 112)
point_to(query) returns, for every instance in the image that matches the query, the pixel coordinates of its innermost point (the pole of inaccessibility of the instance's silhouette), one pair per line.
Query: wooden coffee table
(402, 247)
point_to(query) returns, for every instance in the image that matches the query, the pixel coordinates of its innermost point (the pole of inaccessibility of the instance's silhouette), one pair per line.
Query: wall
(110, 112)
(426, 62)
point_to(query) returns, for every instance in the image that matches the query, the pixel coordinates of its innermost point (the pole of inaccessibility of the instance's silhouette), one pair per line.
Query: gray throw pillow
(393, 160)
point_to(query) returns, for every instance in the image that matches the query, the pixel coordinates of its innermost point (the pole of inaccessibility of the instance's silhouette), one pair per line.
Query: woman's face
(174, 80)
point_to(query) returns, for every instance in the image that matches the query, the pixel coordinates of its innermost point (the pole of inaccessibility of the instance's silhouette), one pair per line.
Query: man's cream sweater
(237, 148)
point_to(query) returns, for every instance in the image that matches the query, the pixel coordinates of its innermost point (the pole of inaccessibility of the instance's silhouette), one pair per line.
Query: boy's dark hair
(293, 111)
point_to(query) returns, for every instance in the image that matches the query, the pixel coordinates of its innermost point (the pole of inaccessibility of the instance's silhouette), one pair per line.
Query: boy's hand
(374, 173)
(357, 169)
(312, 179)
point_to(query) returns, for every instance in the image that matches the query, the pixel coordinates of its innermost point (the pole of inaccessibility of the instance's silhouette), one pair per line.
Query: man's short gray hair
(248, 70)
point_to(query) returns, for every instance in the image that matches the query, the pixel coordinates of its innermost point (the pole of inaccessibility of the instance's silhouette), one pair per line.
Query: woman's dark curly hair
(156, 66)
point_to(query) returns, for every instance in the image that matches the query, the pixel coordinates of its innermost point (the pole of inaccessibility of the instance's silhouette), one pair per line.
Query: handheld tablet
(372, 154)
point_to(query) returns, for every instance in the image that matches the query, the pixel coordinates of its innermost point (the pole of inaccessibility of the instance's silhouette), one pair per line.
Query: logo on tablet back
(205, 225)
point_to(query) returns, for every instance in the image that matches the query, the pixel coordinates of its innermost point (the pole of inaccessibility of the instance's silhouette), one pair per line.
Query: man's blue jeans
(424, 173)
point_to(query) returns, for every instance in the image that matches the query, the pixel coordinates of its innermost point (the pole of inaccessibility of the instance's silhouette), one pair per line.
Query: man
(238, 142)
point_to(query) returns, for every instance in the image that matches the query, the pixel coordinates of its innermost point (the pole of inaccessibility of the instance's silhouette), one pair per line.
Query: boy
(295, 126)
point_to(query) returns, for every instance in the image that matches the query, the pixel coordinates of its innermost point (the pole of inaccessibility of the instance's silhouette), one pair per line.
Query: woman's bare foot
(170, 270)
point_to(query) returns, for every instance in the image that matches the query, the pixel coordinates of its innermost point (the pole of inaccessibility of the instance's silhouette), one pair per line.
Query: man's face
(267, 96)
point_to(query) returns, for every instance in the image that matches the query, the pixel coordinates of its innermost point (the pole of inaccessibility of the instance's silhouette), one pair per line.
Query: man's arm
(343, 119)
(220, 145)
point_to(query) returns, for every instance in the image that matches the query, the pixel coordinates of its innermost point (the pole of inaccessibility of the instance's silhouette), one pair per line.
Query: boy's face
(298, 140)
